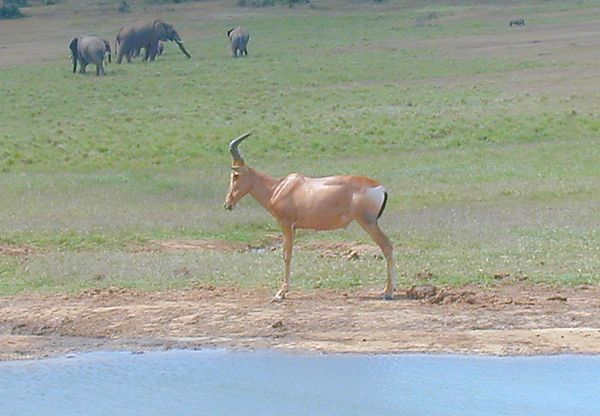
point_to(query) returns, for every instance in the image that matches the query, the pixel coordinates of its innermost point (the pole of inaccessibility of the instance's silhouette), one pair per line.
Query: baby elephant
(89, 50)
(239, 39)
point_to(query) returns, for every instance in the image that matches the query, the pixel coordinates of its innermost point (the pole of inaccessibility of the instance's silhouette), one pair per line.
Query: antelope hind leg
(384, 243)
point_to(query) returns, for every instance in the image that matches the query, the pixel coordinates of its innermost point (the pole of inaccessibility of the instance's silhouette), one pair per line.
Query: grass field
(486, 137)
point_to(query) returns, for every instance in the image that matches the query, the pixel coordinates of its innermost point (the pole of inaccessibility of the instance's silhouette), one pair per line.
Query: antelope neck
(263, 187)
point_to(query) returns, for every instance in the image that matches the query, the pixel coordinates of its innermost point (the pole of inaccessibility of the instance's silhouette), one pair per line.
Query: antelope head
(240, 182)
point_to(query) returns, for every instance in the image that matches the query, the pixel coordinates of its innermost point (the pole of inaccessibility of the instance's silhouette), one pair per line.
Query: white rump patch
(377, 195)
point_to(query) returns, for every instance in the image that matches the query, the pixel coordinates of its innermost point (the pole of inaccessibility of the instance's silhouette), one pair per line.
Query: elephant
(87, 50)
(239, 38)
(145, 34)
(517, 22)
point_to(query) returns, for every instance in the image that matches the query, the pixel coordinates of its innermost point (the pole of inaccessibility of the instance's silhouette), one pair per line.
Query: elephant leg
(124, 52)
(82, 66)
(153, 50)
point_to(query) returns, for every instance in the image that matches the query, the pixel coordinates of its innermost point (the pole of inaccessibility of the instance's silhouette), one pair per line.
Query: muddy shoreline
(511, 319)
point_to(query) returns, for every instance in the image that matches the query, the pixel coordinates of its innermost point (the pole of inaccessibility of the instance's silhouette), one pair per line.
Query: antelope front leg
(288, 243)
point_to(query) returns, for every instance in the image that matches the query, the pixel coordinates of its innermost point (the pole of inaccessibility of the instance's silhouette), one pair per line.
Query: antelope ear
(240, 170)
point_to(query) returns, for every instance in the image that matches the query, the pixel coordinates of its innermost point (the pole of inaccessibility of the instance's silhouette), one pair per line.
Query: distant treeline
(243, 3)
(266, 3)
(10, 9)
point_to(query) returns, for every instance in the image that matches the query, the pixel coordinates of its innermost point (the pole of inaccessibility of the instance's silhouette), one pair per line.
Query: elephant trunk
(182, 48)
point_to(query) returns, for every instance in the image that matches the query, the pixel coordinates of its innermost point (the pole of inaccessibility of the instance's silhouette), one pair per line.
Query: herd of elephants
(132, 38)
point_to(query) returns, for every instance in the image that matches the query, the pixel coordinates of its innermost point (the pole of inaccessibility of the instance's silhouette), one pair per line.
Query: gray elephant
(239, 38)
(135, 36)
(89, 50)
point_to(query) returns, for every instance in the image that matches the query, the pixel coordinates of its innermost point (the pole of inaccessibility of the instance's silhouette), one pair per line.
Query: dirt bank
(508, 319)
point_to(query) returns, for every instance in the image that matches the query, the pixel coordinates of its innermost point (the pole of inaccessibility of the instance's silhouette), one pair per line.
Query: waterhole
(222, 382)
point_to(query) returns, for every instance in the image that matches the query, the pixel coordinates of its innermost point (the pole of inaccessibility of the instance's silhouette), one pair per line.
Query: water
(219, 382)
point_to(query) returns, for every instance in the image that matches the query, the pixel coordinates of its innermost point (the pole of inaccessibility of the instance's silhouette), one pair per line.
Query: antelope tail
(385, 198)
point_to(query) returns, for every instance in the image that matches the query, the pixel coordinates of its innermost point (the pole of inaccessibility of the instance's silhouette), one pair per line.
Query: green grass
(486, 174)
(320, 94)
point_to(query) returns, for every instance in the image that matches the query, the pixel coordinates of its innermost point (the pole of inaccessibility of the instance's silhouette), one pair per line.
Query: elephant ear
(107, 47)
(73, 46)
(160, 28)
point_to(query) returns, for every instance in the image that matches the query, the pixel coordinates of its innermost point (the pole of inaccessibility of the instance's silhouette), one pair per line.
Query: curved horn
(233, 146)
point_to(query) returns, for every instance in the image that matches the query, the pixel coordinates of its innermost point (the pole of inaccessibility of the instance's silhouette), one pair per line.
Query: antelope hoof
(387, 296)
(277, 299)
(279, 296)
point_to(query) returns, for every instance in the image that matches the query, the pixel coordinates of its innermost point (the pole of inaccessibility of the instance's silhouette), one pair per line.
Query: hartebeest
(297, 201)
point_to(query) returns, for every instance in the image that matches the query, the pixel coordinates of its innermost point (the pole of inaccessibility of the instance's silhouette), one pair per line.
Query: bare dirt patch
(508, 319)
(191, 245)
(349, 251)
(326, 249)
(15, 251)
